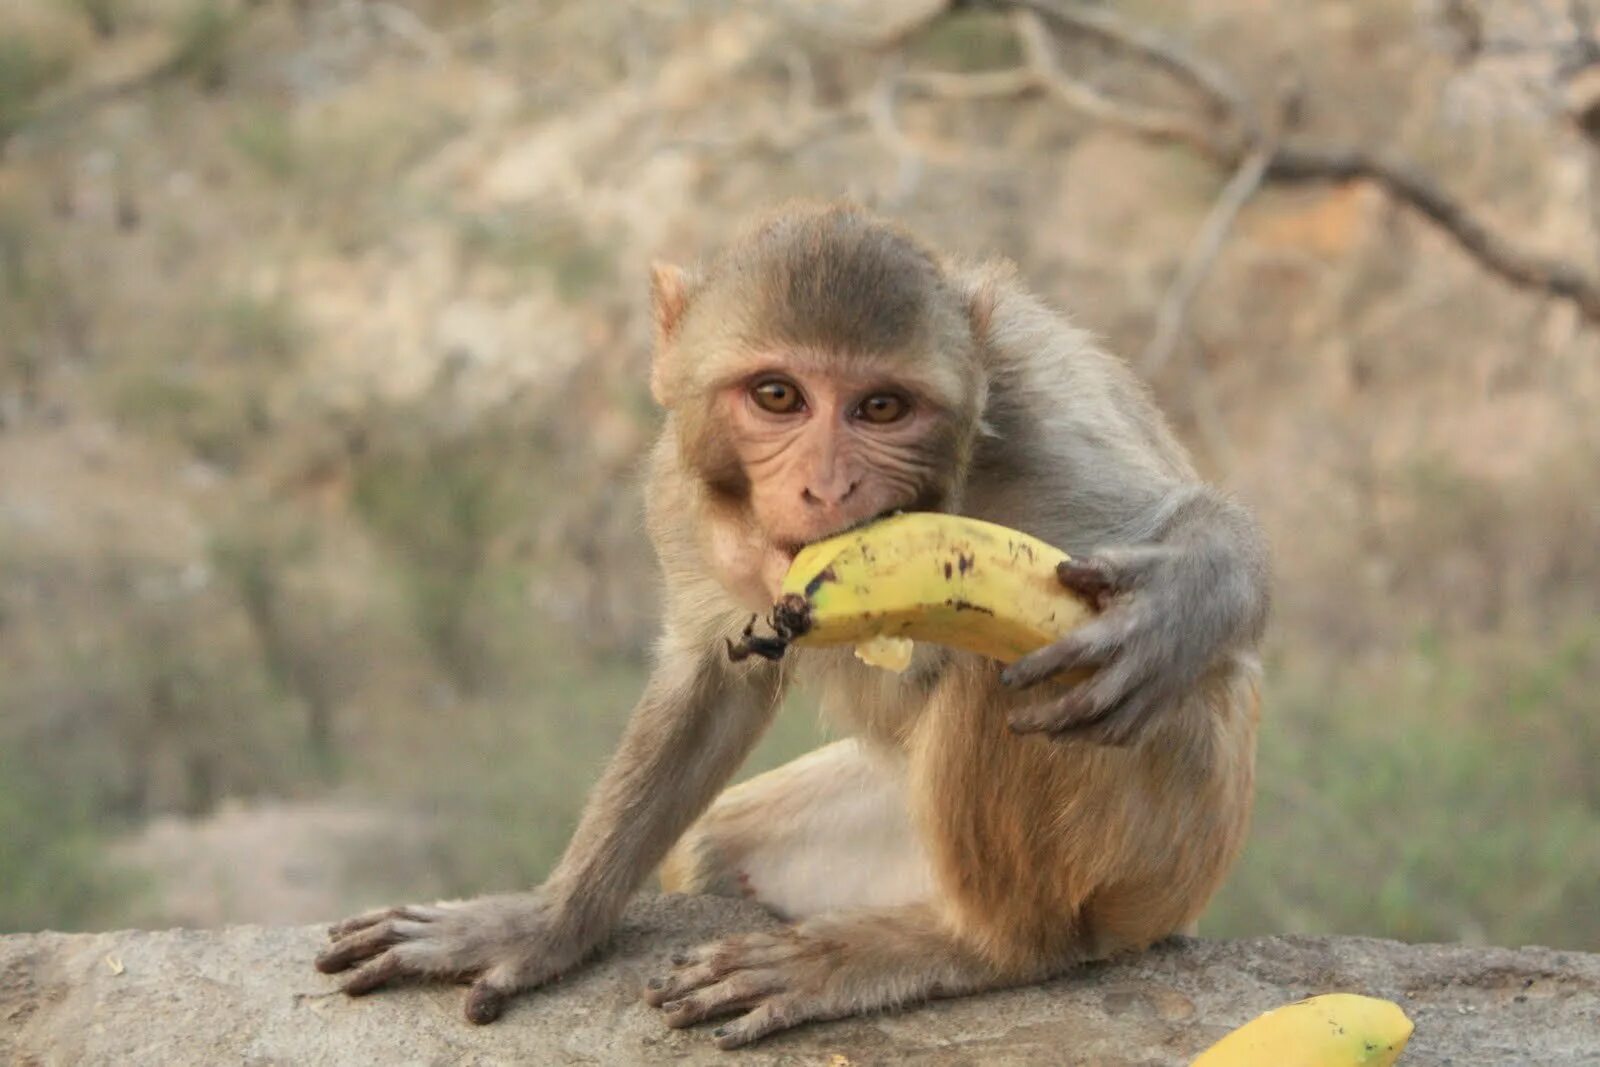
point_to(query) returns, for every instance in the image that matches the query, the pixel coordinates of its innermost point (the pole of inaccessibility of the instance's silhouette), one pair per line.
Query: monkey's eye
(883, 407)
(777, 395)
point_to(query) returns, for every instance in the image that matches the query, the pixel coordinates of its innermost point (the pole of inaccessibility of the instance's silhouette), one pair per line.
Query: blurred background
(323, 350)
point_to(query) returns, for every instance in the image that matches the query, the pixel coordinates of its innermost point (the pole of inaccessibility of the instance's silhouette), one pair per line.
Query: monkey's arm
(696, 722)
(1190, 589)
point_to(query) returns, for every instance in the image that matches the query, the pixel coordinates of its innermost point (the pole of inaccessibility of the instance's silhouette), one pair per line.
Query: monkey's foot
(770, 981)
(827, 968)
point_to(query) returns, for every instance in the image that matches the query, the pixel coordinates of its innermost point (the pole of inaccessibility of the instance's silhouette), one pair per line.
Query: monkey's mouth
(790, 617)
(790, 549)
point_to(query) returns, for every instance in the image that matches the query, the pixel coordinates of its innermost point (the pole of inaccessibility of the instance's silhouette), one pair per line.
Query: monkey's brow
(916, 391)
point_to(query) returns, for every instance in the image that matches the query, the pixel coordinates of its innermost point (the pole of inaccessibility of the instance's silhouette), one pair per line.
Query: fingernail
(672, 1005)
(679, 959)
(721, 1031)
(656, 983)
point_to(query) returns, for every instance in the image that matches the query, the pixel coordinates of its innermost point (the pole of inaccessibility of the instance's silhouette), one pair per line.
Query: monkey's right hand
(502, 944)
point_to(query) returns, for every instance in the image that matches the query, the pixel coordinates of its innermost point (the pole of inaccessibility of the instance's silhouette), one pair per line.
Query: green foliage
(252, 328)
(255, 555)
(33, 301)
(56, 876)
(205, 37)
(539, 243)
(969, 41)
(348, 197)
(103, 15)
(443, 498)
(24, 74)
(1459, 800)
(204, 374)
(265, 137)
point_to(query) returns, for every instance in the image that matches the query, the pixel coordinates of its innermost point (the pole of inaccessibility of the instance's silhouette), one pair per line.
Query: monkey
(980, 826)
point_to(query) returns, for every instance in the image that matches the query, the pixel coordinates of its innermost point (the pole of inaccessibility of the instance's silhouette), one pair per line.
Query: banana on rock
(1333, 1030)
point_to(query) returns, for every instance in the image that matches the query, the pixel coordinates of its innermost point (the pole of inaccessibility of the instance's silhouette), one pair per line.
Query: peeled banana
(1334, 1030)
(922, 576)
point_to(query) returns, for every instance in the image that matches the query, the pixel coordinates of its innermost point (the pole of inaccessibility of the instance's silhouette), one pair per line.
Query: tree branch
(1233, 149)
(1406, 184)
(1223, 97)
(1202, 253)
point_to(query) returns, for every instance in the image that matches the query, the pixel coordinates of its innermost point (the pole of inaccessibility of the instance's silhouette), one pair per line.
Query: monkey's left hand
(1167, 614)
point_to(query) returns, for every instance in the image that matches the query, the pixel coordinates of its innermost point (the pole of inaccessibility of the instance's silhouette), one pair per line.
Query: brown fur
(1019, 853)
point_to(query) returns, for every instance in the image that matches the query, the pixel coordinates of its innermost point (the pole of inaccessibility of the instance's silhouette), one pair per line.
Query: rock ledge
(248, 995)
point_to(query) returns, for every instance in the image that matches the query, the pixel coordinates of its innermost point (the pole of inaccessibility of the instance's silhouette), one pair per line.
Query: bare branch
(406, 25)
(1581, 16)
(1405, 183)
(881, 114)
(1147, 122)
(1401, 181)
(1223, 97)
(1203, 252)
(984, 85)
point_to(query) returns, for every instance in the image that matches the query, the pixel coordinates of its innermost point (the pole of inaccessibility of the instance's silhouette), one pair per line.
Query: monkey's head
(823, 371)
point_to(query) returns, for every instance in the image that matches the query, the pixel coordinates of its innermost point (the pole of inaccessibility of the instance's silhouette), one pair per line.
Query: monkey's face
(823, 446)
(822, 372)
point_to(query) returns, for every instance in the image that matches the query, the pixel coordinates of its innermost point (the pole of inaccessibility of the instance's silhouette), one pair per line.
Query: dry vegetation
(322, 348)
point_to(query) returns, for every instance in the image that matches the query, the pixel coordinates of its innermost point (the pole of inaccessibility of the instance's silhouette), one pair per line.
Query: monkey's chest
(869, 702)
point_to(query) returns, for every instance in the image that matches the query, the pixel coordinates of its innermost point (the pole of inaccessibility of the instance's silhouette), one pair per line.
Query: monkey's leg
(825, 832)
(828, 967)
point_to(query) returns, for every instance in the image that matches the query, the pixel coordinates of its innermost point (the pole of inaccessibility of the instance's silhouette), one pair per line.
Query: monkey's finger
(1109, 572)
(1048, 717)
(1092, 580)
(380, 972)
(486, 1001)
(1092, 646)
(415, 912)
(658, 991)
(359, 946)
(710, 963)
(732, 953)
(738, 992)
(1118, 727)
(1081, 705)
(770, 1016)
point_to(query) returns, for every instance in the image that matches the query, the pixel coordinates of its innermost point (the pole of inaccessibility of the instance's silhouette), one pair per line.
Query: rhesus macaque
(979, 829)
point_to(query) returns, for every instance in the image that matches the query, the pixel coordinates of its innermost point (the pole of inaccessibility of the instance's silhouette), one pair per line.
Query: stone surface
(248, 995)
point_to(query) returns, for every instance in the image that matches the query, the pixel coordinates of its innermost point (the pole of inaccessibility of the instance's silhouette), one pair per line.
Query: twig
(1197, 262)
(407, 26)
(1221, 94)
(1208, 421)
(1147, 122)
(984, 85)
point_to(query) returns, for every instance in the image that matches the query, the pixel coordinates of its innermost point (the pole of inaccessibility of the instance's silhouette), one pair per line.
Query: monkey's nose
(829, 496)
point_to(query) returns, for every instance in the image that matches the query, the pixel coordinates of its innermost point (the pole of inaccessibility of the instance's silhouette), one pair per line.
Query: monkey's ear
(983, 284)
(980, 308)
(670, 289)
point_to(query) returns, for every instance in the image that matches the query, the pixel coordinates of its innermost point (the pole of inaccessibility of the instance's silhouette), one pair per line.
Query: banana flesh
(1334, 1030)
(888, 653)
(931, 577)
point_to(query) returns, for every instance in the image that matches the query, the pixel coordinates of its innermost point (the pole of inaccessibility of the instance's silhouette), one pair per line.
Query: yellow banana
(926, 577)
(1334, 1030)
